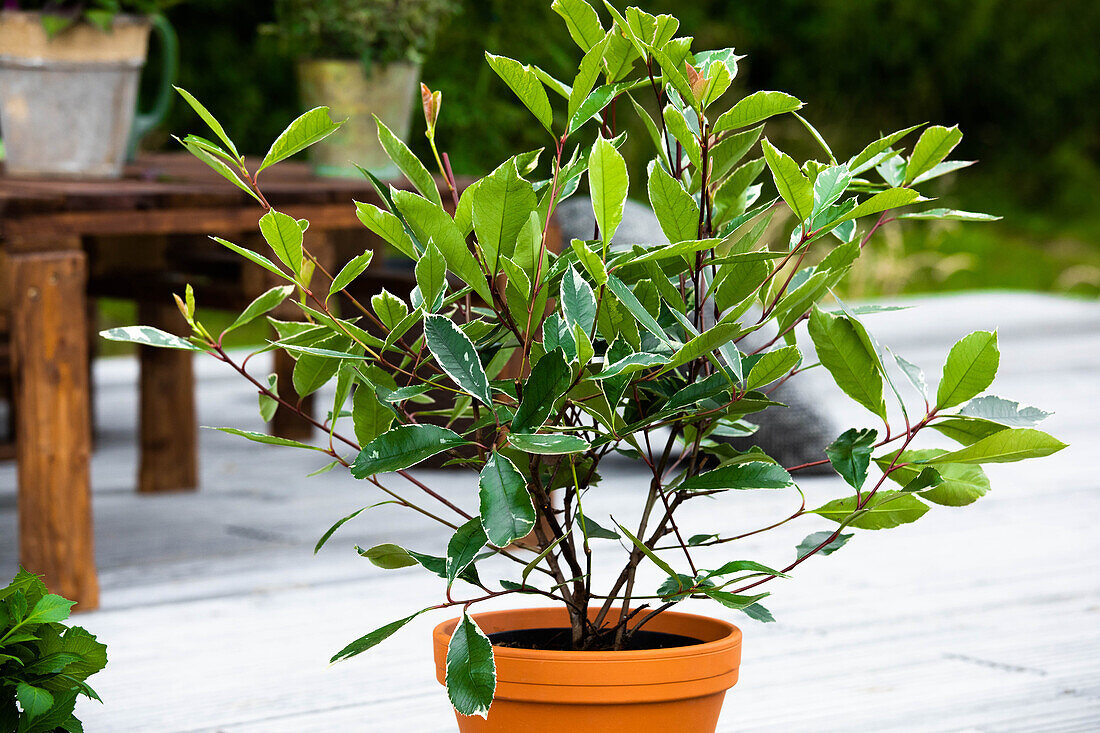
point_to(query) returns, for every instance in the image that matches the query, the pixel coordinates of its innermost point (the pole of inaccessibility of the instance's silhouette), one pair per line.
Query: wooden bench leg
(56, 533)
(169, 430)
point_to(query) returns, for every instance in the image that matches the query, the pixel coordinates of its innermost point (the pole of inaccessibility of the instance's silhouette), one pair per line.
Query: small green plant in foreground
(527, 367)
(44, 665)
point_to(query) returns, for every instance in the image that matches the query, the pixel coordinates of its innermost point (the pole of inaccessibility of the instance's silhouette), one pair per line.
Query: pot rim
(731, 637)
(119, 19)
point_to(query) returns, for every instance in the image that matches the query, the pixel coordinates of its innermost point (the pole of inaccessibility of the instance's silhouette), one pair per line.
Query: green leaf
(388, 227)
(942, 169)
(891, 198)
(730, 600)
(283, 234)
(630, 364)
(593, 265)
(311, 127)
(829, 186)
(960, 484)
(647, 552)
(596, 100)
(148, 336)
(949, 215)
(608, 182)
(49, 608)
(868, 157)
(524, 84)
(628, 299)
(674, 207)
(388, 556)
(966, 430)
(471, 670)
(1005, 412)
(390, 309)
(849, 358)
(550, 377)
(755, 108)
(935, 144)
(850, 455)
(402, 447)
(1006, 446)
(502, 203)
(372, 639)
(926, 479)
(209, 119)
(547, 444)
(677, 126)
(332, 530)
(697, 391)
(430, 222)
(578, 302)
(261, 305)
(758, 613)
(253, 257)
(771, 366)
(268, 405)
(744, 566)
(431, 275)
(35, 701)
(353, 269)
(970, 368)
(408, 163)
(455, 354)
(913, 373)
(592, 530)
(467, 541)
(266, 439)
(884, 510)
(813, 541)
(706, 343)
(794, 187)
(752, 475)
(219, 166)
(507, 513)
(581, 20)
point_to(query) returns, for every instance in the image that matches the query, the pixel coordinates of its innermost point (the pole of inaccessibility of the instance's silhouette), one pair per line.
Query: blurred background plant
(1020, 77)
(373, 31)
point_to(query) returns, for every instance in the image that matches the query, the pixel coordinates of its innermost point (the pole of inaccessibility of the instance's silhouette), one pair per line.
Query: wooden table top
(173, 180)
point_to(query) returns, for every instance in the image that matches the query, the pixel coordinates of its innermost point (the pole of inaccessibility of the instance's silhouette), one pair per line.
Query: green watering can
(146, 121)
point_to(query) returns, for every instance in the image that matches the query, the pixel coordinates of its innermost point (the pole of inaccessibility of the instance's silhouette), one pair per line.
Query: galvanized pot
(388, 91)
(67, 102)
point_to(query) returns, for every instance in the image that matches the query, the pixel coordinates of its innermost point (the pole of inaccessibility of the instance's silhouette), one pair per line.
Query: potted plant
(44, 665)
(68, 83)
(361, 58)
(641, 351)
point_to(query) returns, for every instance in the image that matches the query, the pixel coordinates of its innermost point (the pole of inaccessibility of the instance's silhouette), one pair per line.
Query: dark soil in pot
(560, 640)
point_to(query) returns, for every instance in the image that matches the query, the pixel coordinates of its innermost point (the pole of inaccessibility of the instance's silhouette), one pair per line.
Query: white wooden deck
(987, 618)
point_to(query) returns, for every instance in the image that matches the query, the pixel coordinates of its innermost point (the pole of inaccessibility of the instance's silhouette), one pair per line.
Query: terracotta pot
(389, 91)
(654, 691)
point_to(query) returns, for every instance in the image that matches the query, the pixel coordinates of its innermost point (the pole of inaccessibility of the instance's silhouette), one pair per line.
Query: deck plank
(219, 619)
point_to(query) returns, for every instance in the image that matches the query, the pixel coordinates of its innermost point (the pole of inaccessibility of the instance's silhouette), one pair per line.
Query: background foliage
(1019, 76)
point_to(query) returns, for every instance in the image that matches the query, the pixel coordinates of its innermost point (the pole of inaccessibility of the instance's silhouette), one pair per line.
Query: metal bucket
(67, 103)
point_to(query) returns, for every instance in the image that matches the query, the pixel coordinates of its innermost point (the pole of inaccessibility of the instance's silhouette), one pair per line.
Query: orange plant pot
(651, 691)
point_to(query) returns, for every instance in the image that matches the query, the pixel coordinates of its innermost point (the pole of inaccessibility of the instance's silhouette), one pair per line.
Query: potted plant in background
(44, 665)
(361, 58)
(641, 351)
(68, 83)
